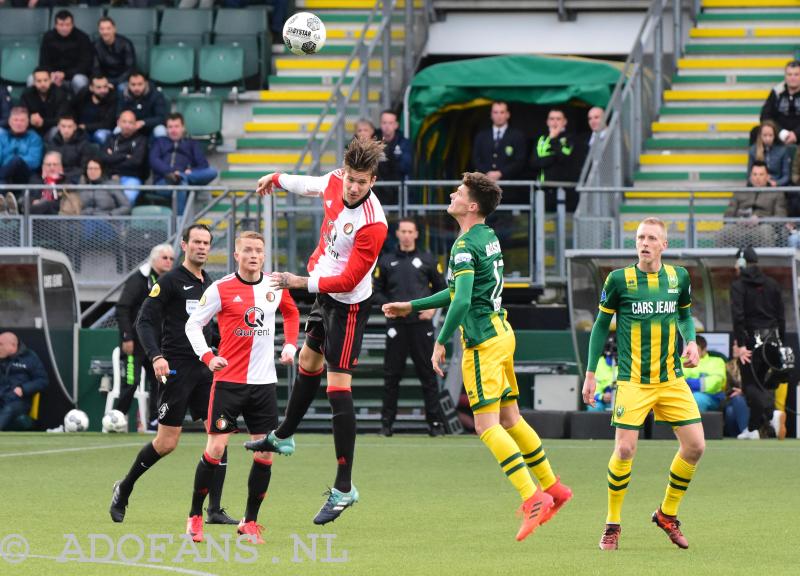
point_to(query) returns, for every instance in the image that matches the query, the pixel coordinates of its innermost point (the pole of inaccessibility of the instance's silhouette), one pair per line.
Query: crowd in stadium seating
(88, 101)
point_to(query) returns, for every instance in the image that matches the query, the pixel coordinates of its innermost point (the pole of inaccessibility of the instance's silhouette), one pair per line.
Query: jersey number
(497, 300)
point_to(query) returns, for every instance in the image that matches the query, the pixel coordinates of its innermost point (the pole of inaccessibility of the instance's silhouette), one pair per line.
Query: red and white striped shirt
(350, 238)
(246, 317)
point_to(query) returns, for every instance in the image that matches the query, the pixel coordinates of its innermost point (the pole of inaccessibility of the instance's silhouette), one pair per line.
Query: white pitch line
(126, 564)
(62, 450)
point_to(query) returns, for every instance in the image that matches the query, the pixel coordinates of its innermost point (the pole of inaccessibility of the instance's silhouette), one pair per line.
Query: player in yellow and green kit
(474, 294)
(652, 302)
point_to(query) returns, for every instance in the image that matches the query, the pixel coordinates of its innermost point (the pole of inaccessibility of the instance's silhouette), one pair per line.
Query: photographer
(758, 318)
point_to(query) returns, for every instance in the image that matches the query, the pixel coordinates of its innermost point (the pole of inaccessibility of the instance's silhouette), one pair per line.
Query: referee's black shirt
(161, 324)
(404, 276)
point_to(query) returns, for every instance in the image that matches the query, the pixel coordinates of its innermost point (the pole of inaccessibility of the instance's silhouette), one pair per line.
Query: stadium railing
(566, 9)
(692, 222)
(636, 101)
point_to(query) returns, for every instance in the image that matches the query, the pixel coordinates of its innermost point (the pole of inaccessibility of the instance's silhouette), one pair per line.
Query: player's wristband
(276, 179)
(313, 285)
(207, 357)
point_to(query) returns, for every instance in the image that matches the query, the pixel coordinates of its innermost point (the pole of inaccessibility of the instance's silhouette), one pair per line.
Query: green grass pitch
(428, 507)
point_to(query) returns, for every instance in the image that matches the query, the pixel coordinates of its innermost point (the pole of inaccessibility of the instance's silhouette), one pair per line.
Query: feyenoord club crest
(348, 228)
(221, 423)
(270, 296)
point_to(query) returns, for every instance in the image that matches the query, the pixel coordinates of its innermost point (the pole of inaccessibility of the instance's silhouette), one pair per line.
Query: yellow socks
(680, 474)
(533, 452)
(507, 453)
(619, 474)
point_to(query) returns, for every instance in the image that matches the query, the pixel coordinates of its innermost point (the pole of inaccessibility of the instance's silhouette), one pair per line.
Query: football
(304, 33)
(76, 421)
(115, 422)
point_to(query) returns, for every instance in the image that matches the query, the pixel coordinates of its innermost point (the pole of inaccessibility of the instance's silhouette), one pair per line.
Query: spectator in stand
(20, 149)
(114, 55)
(22, 375)
(771, 151)
(749, 207)
(97, 201)
(397, 148)
(74, 147)
(500, 151)
(148, 105)
(783, 105)
(126, 155)
(67, 53)
(553, 159)
(95, 109)
(597, 124)
(54, 200)
(365, 129)
(45, 103)
(179, 160)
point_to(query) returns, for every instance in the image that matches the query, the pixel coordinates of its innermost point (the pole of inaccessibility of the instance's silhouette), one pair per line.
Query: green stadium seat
(202, 114)
(18, 61)
(135, 21)
(192, 27)
(23, 25)
(246, 27)
(85, 18)
(221, 65)
(172, 65)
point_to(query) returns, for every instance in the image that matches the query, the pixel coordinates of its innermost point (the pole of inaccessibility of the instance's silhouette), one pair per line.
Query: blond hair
(655, 222)
(249, 235)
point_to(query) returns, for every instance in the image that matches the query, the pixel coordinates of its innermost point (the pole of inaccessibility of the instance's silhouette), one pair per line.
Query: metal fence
(700, 223)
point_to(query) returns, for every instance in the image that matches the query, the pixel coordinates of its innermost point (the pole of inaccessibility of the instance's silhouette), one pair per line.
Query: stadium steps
(299, 88)
(734, 56)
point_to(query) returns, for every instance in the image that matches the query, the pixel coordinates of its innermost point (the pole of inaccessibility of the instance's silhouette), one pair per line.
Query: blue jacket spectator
(22, 375)
(20, 149)
(769, 150)
(148, 105)
(179, 160)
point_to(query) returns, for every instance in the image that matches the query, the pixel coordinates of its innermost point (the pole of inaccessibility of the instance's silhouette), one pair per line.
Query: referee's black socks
(305, 388)
(257, 485)
(203, 477)
(215, 493)
(145, 460)
(344, 435)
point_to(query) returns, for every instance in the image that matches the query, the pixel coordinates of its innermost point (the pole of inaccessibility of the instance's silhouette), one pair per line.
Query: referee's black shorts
(189, 388)
(335, 330)
(257, 403)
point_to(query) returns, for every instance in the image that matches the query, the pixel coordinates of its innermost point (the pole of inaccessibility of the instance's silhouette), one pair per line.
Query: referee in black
(401, 276)
(185, 380)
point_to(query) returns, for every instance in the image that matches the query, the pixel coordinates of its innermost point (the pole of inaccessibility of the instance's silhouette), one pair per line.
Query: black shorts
(335, 330)
(257, 403)
(189, 387)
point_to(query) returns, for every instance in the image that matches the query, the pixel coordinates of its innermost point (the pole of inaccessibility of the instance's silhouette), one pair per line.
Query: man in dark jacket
(501, 153)
(5, 106)
(553, 159)
(757, 314)
(45, 103)
(114, 55)
(95, 109)
(130, 301)
(74, 147)
(783, 105)
(179, 160)
(22, 375)
(403, 275)
(126, 155)
(397, 152)
(148, 104)
(67, 52)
